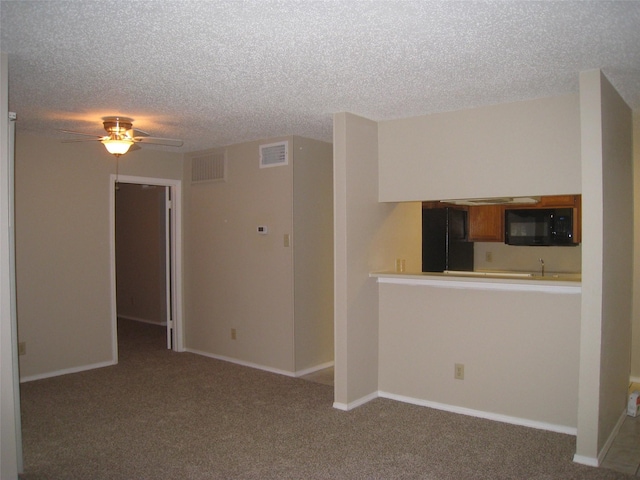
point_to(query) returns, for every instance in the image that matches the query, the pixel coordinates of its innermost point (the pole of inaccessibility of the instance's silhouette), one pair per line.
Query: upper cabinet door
(486, 223)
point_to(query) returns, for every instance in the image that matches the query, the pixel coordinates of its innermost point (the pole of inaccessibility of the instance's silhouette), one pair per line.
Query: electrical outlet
(233, 334)
(488, 256)
(22, 348)
(459, 371)
(287, 240)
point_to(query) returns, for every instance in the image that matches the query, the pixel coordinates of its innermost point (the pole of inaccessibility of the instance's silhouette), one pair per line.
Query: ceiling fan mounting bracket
(117, 125)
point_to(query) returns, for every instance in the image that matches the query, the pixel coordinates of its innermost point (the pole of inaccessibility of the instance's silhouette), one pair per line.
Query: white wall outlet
(459, 371)
(488, 256)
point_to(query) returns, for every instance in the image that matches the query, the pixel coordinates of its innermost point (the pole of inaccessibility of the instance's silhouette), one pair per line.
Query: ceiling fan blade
(72, 132)
(135, 132)
(171, 142)
(76, 140)
(134, 147)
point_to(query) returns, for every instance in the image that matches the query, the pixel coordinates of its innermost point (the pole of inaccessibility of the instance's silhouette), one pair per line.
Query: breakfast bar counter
(515, 338)
(487, 280)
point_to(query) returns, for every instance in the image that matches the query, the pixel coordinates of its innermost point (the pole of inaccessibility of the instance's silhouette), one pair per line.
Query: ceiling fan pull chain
(117, 165)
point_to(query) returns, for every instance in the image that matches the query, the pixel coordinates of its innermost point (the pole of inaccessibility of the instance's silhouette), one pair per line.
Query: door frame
(174, 270)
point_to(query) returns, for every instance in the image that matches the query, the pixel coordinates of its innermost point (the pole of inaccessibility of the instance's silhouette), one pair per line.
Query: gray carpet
(165, 415)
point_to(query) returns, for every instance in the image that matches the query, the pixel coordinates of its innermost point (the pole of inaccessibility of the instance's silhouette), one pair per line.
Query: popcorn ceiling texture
(221, 72)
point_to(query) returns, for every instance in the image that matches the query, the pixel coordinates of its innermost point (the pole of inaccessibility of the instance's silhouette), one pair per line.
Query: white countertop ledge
(478, 283)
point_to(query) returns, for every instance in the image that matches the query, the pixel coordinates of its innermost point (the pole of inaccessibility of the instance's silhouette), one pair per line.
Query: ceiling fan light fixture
(117, 146)
(121, 136)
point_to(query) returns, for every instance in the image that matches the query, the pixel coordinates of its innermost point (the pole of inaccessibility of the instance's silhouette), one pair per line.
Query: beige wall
(607, 232)
(514, 149)
(239, 279)
(63, 249)
(399, 238)
(635, 344)
(141, 253)
(617, 128)
(357, 218)
(520, 350)
(313, 252)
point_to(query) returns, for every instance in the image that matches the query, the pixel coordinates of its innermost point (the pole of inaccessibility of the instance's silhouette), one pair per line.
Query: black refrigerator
(445, 244)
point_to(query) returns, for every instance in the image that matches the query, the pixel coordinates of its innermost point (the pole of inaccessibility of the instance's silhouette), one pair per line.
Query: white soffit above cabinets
(494, 201)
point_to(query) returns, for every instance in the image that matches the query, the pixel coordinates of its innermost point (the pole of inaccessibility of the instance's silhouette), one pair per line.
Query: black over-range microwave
(539, 226)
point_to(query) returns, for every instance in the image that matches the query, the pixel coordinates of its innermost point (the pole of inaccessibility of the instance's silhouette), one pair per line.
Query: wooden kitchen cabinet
(559, 201)
(486, 223)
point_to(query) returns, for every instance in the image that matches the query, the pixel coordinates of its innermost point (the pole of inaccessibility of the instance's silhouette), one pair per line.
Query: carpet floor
(162, 415)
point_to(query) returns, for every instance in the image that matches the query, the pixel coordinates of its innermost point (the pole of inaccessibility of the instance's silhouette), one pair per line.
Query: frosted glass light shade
(117, 147)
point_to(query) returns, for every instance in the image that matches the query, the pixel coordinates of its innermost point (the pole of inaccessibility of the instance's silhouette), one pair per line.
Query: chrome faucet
(541, 267)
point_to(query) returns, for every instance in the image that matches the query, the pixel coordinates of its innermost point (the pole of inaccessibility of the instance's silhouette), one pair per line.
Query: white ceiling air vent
(209, 168)
(274, 154)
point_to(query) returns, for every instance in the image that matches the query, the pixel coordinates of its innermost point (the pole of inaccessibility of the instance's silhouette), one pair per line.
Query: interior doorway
(142, 253)
(146, 255)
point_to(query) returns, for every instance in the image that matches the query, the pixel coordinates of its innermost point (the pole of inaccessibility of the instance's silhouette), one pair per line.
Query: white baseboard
(524, 422)
(584, 460)
(241, 362)
(612, 437)
(351, 405)
(143, 320)
(317, 368)
(66, 371)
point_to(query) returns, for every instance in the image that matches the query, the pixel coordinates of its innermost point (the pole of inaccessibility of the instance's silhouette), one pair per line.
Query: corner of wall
(357, 219)
(635, 339)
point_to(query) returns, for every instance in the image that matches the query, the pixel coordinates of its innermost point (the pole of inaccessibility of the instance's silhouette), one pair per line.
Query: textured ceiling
(221, 72)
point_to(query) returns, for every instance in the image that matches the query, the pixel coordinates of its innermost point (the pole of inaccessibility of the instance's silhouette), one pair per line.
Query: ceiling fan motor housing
(117, 126)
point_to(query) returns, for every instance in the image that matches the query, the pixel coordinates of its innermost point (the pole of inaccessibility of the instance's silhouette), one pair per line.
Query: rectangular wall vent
(274, 154)
(209, 168)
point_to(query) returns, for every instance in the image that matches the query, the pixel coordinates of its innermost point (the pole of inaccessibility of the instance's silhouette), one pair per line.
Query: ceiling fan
(121, 137)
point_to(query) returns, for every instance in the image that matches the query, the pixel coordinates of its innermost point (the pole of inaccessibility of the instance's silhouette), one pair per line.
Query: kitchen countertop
(487, 280)
(548, 276)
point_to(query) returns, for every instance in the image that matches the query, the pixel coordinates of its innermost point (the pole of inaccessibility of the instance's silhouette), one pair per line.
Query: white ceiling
(221, 72)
